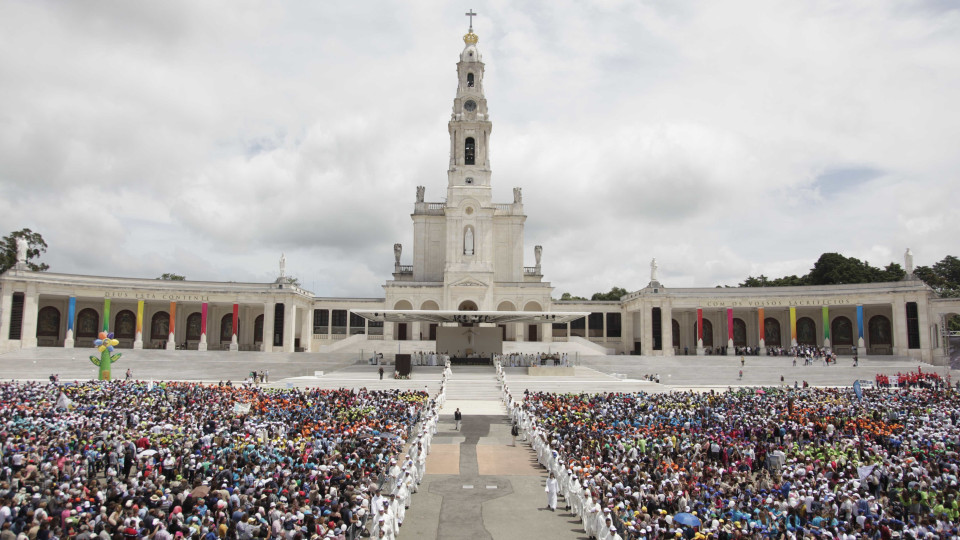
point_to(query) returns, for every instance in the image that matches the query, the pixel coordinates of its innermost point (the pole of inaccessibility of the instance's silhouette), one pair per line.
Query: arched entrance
(879, 335)
(88, 323)
(508, 332)
(468, 305)
(48, 327)
(806, 331)
(431, 333)
(532, 330)
(125, 325)
(841, 332)
(771, 332)
(739, 333)
(401, 330)
(707, 332)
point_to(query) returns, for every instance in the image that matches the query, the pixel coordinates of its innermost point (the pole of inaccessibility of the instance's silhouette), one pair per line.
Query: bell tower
(469, 128)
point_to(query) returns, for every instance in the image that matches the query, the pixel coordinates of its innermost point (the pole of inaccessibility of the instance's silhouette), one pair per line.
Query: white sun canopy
(471, 317)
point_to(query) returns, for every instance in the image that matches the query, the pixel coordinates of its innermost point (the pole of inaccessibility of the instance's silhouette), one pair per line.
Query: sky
(726, 139)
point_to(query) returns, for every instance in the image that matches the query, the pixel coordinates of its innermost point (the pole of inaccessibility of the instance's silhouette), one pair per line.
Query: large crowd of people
(748, 463)
(128, 459)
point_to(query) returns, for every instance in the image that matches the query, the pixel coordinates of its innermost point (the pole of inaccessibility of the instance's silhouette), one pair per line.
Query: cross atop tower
(471, 14)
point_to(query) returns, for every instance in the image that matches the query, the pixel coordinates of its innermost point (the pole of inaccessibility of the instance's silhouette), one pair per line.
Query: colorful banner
(173, 318)
(106, 314)
(203, 318)
(140, 317)
(71, 312)
(793, 325)
(730, 323)
(236, 318)
(859, 322)
(761, 322)
(700, 324)
(826, 322)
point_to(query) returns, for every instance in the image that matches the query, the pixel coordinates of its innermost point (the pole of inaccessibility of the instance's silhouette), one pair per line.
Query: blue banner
(857, 390)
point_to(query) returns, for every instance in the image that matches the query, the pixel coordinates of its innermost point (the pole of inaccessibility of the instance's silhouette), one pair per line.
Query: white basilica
(468, 269)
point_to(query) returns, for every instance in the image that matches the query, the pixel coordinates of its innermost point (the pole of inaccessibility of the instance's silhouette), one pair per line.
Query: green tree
(35, 246)
(943, 277)
(615, 294)
(568, 296)
(833, 269)
(169, 276)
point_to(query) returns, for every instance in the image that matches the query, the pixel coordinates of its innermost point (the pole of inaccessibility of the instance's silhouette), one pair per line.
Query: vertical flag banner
(140, 317)
(762, 331)
(71, 312)
(793, 325)
(203, 319)
(729, 323)
(106, 314)
(173, 317)
(700, 324)
(236, 319)
(826, 322)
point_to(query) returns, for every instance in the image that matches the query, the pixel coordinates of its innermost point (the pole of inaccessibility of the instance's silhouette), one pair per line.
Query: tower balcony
(429, 208)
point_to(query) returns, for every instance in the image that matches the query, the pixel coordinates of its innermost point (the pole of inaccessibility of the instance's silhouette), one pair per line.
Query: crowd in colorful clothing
(919, 378)
(163, 461)
(748, 463)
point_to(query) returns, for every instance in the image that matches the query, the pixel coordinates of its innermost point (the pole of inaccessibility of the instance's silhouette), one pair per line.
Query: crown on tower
(470, 38)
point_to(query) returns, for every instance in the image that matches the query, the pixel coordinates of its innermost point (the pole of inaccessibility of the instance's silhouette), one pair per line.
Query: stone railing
(429, 208)
(531, 270)
(403, 269)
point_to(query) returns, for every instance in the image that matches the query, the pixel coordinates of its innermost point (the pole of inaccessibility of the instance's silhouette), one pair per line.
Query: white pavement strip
(467, 486)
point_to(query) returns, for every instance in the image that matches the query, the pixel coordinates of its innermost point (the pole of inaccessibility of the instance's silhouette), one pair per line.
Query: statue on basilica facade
(653, 269)
(283, 265)
(908, 262)
(421, 191)
(22, 247)
(517, 196)
(468, 241)
(397, 250)
(537, 251)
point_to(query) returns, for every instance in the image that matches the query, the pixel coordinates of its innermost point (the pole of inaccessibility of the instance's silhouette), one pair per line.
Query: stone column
(306, 330)
(289, 326)
(68, 341)
(860, 344)
(269, 308)
(626, 329)
(31, 309)
(646, 342)
(6, 303)
(899, 312)
(666, 325)
(547, 330)
(923, 320)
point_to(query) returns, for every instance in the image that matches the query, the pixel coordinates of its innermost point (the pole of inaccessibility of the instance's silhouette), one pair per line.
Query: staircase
(473, 384)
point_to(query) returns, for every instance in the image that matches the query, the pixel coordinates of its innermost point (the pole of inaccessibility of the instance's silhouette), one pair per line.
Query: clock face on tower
(470, 105)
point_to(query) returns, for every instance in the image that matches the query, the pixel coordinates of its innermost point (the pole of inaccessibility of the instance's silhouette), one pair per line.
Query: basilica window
(469, 80)
(469, 151)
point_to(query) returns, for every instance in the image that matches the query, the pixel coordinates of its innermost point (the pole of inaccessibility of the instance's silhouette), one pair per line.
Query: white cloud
(206, 138)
